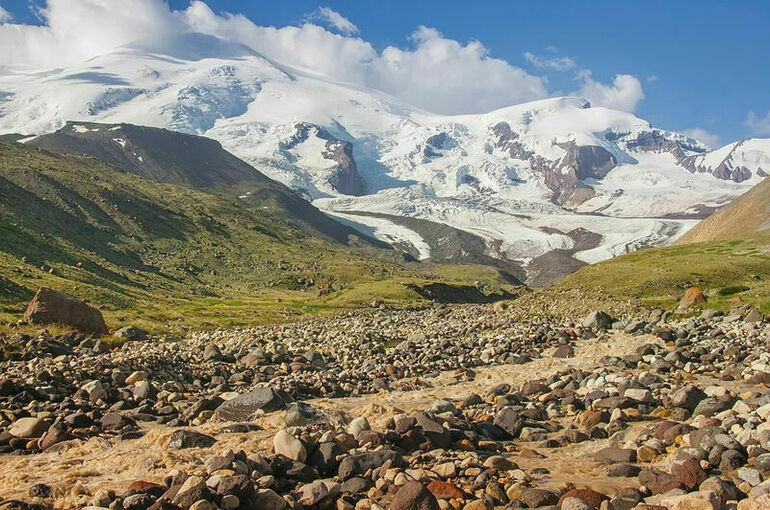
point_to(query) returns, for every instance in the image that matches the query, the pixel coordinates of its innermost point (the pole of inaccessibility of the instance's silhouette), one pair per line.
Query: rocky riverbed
(452, 407)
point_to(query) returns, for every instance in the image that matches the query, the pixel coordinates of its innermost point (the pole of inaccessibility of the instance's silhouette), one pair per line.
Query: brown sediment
(76, 473)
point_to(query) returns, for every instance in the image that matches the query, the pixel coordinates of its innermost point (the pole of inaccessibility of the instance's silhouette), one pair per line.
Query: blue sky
(700, 64)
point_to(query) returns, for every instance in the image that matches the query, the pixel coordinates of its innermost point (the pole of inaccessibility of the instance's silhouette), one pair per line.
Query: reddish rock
(692, 297)
(53, 307)
(445, 490)
(689, 473)
(658, 481)
(144, 487)
(587, 496)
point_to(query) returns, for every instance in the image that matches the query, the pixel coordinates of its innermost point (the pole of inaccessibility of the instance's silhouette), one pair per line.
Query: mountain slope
(161, 254)
(730, 272)
(520, 178)
(745, 215)
(155, 154)
(164, 156)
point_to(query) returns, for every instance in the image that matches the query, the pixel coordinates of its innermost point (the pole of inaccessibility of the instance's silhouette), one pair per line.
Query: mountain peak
(191, 46)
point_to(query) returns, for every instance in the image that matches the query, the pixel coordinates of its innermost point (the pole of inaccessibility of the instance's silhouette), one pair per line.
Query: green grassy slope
(161, 255)
(729, 272)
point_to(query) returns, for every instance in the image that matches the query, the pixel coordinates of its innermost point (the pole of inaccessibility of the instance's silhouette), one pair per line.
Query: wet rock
(40, 490)
(183, 438)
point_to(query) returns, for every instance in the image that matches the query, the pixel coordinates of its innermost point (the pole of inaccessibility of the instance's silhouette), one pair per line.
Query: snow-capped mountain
(544, 186)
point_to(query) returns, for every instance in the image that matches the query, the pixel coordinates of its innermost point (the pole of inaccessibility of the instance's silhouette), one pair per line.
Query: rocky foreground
(461, 407)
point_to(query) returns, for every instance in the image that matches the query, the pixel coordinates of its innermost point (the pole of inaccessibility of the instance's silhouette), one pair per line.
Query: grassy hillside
(163, 255)
(730, 273)
(745, 215)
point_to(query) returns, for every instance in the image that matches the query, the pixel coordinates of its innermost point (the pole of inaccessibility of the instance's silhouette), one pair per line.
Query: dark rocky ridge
(156, 154)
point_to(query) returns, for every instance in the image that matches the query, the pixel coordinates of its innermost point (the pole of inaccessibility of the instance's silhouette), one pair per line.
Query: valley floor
(465, 406)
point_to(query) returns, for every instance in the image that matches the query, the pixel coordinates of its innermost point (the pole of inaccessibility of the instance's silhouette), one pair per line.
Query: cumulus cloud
(705, 136)
(758, 124)
(334, 19)
(557, 63)
(430, 71)
(624, 93)
(443, 75)
(5, 16)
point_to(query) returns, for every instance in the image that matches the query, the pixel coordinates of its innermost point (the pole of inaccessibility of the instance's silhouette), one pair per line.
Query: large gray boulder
(243, 407)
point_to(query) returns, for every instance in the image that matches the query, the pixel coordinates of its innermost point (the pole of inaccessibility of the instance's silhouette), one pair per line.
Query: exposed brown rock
(53, 307)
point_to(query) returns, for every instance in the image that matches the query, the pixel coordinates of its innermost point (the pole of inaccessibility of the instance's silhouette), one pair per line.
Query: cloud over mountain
(430, 71)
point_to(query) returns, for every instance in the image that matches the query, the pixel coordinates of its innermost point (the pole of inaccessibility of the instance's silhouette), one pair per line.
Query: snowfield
(502, 176)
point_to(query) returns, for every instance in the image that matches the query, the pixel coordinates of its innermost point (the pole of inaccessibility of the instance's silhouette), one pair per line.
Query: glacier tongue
(522, 179)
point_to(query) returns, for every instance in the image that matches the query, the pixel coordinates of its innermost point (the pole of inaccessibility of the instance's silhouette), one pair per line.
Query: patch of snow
(82, 129)
(384, 230)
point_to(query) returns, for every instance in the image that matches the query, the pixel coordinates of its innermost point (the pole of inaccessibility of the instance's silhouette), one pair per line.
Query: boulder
(268, 499)
(131, 334)
(613, 455)
(28, 428)
(52, 307)
(243, 407)
(590, 497)
(284, 443)
(598, 320)
(312, 493)
(692, 298)
(362, 462)
(760, 503)
(414, 496)
(182, 438)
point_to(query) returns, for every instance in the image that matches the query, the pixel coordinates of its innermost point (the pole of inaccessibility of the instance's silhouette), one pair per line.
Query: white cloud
(431, 71)
(707, 137)
(653, 78)
(5, 16)
(759, 125)
(334, 19)
(624, 93)
(444, 76)
(557, 63)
